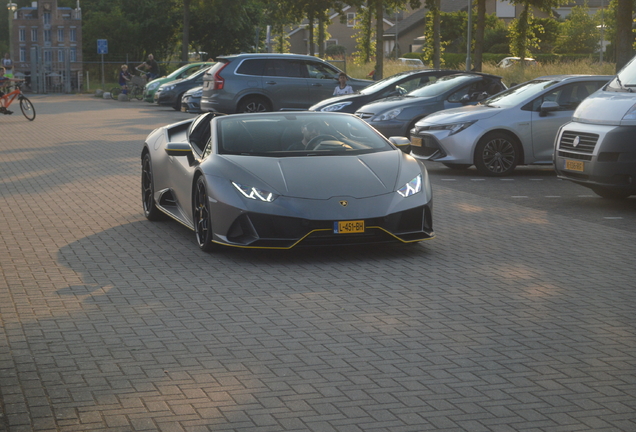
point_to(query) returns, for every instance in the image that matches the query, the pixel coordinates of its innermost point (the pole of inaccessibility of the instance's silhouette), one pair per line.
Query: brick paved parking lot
(519, 316)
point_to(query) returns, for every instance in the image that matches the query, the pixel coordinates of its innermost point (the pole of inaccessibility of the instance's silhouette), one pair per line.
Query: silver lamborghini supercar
(277, 180)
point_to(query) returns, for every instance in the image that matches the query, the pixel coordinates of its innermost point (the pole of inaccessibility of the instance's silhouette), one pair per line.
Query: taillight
(219, 81)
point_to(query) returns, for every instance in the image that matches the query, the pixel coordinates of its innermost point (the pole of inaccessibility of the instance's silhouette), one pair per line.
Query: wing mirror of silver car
(548, 106)
(402, 143)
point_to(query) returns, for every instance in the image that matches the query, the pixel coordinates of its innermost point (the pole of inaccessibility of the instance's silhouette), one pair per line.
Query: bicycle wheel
(136, 93)
(114, 92)
(27, 108)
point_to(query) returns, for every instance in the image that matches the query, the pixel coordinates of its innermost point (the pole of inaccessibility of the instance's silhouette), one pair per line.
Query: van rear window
(251, 67)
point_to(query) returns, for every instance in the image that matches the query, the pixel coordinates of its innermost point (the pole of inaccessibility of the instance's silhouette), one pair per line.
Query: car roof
(572, 77)
(270, 55)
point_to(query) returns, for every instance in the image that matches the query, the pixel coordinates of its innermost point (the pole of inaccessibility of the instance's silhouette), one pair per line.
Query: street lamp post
(11, 8)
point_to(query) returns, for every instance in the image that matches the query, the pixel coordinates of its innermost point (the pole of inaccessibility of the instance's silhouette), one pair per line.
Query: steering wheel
(313, 143)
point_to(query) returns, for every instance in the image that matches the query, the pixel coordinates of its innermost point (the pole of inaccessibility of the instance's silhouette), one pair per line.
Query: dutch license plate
(348, 227)
(574, 165)
(183, 109)
(417, 142)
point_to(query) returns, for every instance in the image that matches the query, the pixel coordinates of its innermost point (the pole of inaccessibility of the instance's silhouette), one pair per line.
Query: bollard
(99, 93)
(106, 95)
(122, 98)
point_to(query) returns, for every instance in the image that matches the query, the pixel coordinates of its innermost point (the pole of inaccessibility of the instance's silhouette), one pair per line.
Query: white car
(509, 61)
(514, 127)
(412, 63)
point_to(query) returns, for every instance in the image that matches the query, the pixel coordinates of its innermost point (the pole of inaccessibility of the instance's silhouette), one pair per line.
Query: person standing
(124, 77)
(7, 63)
(342, 88)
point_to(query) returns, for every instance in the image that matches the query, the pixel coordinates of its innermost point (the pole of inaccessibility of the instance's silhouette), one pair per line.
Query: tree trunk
(311, 34)
(624, 36)
(185, 41)
(321, 36)
(479, 34)
(379, 39)
(437, 44)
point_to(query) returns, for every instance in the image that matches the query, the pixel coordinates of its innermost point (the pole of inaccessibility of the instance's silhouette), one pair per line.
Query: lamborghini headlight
(412, 187)
(255, 193)
(389, 115)
(336, 106)
(453, 128)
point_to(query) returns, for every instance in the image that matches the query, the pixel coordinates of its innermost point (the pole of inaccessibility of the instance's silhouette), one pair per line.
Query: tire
(151, 211)
(136, 93)
(253, 104)
(114, 92)
(177, 104)
(201, 217)
(609, 193)
(27, 108)
(496, 155)
(457, 166)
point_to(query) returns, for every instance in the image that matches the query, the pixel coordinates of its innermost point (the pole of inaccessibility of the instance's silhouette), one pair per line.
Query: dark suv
(269, 82)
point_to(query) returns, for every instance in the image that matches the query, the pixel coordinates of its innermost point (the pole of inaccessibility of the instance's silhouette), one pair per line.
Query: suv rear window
(251, 67)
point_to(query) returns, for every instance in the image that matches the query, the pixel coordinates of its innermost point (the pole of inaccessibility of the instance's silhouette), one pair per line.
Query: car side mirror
(403, 143)
(180, 149)
(548, 106)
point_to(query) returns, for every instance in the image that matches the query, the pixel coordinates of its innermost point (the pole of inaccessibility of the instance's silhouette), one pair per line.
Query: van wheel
(253, 104)
(609, 193)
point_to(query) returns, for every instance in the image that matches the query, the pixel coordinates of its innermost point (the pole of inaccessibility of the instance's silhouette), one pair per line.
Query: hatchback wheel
(496, 155)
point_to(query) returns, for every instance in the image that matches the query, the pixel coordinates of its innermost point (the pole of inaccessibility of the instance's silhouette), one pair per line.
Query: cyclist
(151, 66)
(4, 83)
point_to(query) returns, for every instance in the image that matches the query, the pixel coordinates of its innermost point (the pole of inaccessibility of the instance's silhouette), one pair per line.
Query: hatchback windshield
(519, 94)
(381, 84)
(281, 135)
(442, 85)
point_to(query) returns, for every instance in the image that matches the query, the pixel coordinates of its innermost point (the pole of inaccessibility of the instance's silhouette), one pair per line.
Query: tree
(480, 34)
(523, 34)
(624, 34)
(366, 34)
(579, 34)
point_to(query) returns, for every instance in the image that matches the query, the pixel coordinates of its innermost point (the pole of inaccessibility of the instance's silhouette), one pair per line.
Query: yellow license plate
(417, 142)
(348, 227)
(183, 109)
(574, 165)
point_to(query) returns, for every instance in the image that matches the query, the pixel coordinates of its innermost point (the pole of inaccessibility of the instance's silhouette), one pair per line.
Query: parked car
(170, 93)
(395, 85)
(510, 61)
(191, 100)
(396, 116)
(182, 72)
(597, 149)
(233, 181)
(515, 127)
(413, 63)
(269, 82)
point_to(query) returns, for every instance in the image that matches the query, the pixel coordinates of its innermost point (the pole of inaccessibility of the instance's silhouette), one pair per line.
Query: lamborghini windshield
(297, 134)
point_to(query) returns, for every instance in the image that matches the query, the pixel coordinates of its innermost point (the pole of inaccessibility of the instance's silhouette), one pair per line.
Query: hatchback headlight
(167, 88)
(336, 107)
(255, 193)
(453, 128)
(389, 115)
(152, 86)
(412, 187)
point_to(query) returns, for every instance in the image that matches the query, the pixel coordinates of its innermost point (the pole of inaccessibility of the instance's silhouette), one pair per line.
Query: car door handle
(317, 85)
(270, 82)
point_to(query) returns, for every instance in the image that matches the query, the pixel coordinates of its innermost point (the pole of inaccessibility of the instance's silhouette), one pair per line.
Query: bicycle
(26, 106)
(136, 88)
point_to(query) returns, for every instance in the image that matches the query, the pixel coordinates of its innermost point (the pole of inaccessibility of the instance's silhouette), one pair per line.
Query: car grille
(364, 116)
(267, 231)
(585, 142)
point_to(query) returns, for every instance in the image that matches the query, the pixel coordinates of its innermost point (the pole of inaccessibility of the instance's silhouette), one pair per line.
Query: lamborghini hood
(324, 177)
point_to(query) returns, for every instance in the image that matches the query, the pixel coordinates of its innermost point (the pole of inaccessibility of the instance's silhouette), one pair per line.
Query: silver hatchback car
(514, 127)
(260, 82)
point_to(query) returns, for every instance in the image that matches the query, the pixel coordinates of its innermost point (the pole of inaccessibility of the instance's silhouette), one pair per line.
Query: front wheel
(609, 193)
(151, 211)
(456, 166)
(253, 104)
(114, 92)
(202, 217)
(27, 108)
(136, 93)
(496, 155)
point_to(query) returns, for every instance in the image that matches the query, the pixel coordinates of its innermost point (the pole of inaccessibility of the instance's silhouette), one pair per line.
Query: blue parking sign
(102, 46)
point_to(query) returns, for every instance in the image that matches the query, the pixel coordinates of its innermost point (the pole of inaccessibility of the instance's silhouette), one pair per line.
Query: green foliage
(365, 36)
(579, 33)
(524, 34)
(428, 50)
(548, 38)
(335, 50)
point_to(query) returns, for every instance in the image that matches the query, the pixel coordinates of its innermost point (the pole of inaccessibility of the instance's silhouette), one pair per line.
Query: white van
(597, 149)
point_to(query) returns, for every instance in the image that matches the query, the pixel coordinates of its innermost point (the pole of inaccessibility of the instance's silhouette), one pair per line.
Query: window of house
(60, 35)
(48, 56)
(22, 35)
(73, 54)
(22, 54)
(73, 35)
(60, 56)
(351, 19)
(47, 35)
(47, 17)
(34, 35)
